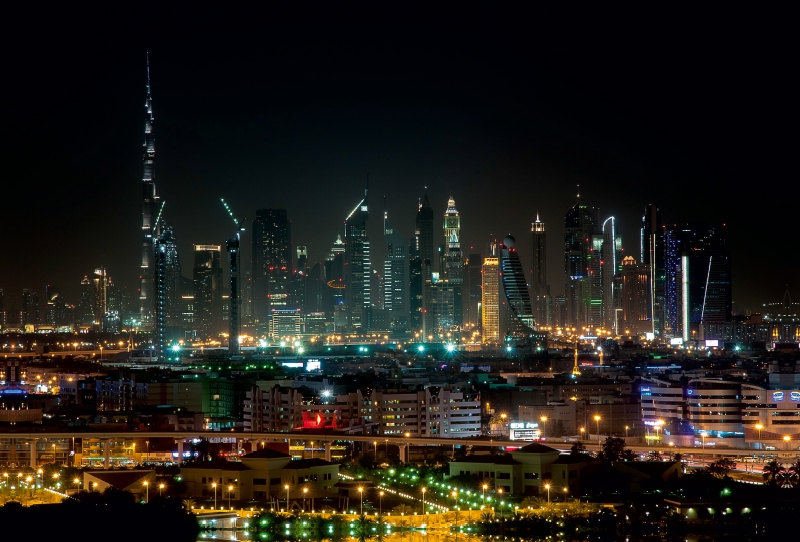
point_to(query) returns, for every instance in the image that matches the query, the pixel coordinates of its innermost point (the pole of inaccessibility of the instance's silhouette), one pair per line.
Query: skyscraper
(86, 304)
(609, 271)
(421, 264)
(472, 292)
(540, 290)
(149, 213)
(172, 277)
(515, 287)
(395, 301)
(635, 298)
(697, 288)
(357, 266)
(652, 255)
(579, 227)
(207, 277)
(490, 300)
(453, 271)
(30, 307)
(272, 263)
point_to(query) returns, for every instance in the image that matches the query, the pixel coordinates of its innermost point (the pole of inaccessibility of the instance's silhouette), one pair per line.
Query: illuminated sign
(794, 396)
(711, 343)
(313, 365)
(293, 364)
(777, 396)
(649, 336)
(646, 391)
(677, 341)
(690, 392)
(523, 425)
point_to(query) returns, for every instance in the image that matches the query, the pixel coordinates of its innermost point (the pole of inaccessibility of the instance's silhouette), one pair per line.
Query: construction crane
(235, 296)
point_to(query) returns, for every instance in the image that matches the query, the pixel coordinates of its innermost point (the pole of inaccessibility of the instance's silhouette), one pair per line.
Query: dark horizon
(506, 124)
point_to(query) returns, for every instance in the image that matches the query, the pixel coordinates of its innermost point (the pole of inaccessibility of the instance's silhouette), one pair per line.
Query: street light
(455, 496)
(230, 490)
(147, 492)
(626, 431)
(485, 487)
(380, 502)
(583, 431)
(214, 485)
(500, 491)
(544, 421)
(547, 487)
(305, 490)
(160, 489)
(360, 494)
(787, 439)
(423, 498)
(286, 487)
(597, 421)
(759, 427)
(566, 490)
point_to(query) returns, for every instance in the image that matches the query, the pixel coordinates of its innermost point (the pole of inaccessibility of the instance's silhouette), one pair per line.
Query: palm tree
(532, 502)
(791, 476)
(773, 473)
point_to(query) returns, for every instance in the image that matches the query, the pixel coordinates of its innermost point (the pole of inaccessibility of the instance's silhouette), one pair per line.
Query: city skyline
(270, 141)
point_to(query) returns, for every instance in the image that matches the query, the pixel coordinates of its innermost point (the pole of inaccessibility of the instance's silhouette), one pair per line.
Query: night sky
(505, 112)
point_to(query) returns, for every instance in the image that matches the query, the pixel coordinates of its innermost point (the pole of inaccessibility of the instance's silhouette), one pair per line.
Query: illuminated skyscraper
(395, 294)
(490, 300)
(172, 277)
(150, 210)
(540, 290)
(207, 277)
(86, 304)
(472, 292)
(579, 227)
(453, 271)
(420, 263)
(30, 307)
(635, 298)
(357, 266)
(698, 278)
(609, 266)
(652, 255)
(272, 263)
(515, 287)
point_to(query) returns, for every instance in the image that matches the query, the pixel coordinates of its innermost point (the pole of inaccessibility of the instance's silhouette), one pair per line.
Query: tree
(613, 448)
(792, 476)
(721, 467)
(628, 455)
(677, 457)
(532, 502)
(577, 448)
(774, 473)
(654, 455)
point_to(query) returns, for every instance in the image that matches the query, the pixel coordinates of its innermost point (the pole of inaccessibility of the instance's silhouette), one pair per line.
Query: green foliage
(721, 467)
(577, 448)
(613, 448)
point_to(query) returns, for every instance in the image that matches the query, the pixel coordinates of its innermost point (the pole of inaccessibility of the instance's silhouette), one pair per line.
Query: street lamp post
(500, 491)
(787, 439)
(566, 490)
(380, 502)
(597, 421)
(305, 492)
(230, 490)
(759, 427)
(214, 485)
(361, 495)
(160, 489)
(626, 431)
(286, 487)
(147, 492)
(544, 423)
(423, 499)
(583, 433)
(484, 487)
(547, 487)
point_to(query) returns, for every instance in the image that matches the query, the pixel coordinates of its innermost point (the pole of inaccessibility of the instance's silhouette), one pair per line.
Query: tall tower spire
(150, 228)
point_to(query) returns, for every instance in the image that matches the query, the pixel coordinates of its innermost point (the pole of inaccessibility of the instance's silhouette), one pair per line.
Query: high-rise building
(207, 277)
(395, 273)
(579, 227)
(150, 229)
(172, 276)
(472, 292)
(30, 307)
(357, 266)
(515, 287)
(540, 289)
(302, 257)
(2, 309)
(334, 281)
(86, 304)
(697, 288)
(636, 318)
(453, 269)
(490, 300)
(421, 264)
(609, 267)
(652, 255)
(272, 263)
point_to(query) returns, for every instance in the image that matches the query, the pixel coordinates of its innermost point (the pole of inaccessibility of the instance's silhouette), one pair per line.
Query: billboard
(676, 341)
(712, 343)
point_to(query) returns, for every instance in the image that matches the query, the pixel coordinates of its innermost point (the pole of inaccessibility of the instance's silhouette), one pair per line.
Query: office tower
(172, 276)
(635, 298)
(55, 309)
(439, 316)
(272, 263)
(593, 293)
(608, 272)
(453, 269)
(697, 287)
(234, 294)
(420, 263)
(357, 267)
(160, 300)
(540, 289)
(334, 278)
(86, 304)
(652, 255)
(30, 307)
(101, 296)
(395, 272)
(515, 287)
(150, 209)
(490, 300)
(302, 257)
(2, 309)
(207, 277)
(579, 227)
(472, 292)
(424, 229)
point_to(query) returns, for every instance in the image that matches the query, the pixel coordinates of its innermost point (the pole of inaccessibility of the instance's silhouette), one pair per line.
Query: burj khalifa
(149, 215)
